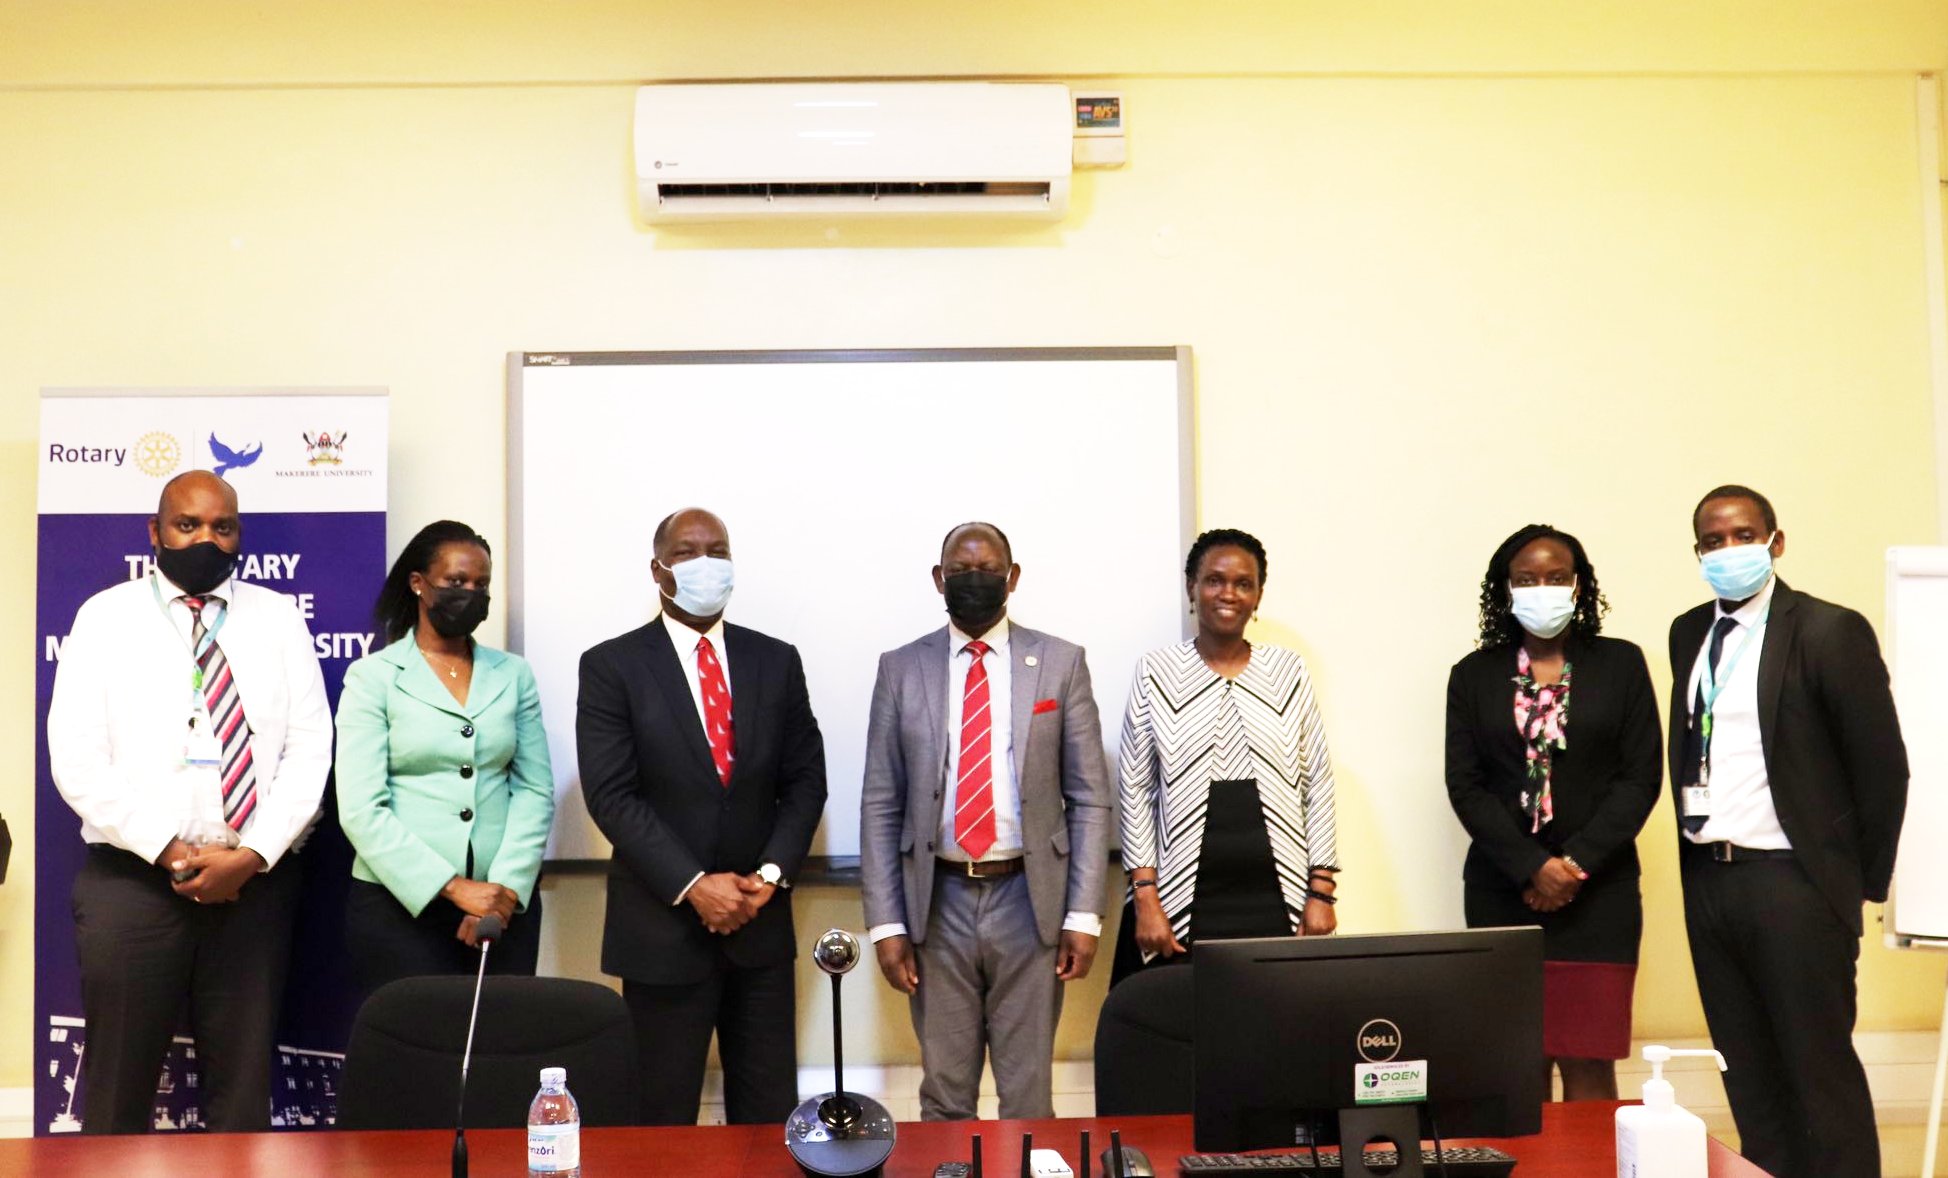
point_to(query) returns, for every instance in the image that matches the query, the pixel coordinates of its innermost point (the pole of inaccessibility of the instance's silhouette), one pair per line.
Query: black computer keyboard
(1463, 1161)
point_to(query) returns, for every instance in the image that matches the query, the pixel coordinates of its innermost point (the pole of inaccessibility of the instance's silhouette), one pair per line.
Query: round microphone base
(840, 1135)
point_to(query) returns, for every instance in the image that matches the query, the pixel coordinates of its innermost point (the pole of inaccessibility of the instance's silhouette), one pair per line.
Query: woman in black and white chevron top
(1227, 786)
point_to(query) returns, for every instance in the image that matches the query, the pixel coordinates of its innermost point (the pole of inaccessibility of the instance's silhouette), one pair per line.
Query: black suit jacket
(1604, 784)
(1833, 750)
(653, 791)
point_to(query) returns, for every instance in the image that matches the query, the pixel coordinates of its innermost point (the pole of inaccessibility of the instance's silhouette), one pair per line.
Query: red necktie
(225, 706)
(974, 792)
(716, 709)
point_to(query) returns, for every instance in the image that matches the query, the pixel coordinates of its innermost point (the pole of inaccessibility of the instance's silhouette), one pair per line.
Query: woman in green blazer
(444, 787)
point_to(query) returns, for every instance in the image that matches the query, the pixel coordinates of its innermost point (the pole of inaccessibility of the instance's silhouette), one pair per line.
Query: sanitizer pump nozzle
(1659, 1139)
(1658, 1092)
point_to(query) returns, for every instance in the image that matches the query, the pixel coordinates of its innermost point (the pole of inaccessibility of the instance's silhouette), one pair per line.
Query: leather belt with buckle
(1722, 852)
(992, 869)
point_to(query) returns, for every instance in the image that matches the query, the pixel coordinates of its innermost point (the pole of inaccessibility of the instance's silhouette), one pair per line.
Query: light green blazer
(422, 777)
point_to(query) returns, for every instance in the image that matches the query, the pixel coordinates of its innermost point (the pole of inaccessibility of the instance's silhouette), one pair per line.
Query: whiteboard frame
(1907, 562)
(825, 868)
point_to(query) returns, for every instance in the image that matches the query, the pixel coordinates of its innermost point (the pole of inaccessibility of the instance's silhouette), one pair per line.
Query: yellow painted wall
(1447, 269)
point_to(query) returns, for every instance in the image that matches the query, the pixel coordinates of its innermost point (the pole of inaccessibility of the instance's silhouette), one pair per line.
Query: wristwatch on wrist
(772, 874)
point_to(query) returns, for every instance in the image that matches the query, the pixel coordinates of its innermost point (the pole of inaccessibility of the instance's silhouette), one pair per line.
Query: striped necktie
(238, 772)
(974, 792)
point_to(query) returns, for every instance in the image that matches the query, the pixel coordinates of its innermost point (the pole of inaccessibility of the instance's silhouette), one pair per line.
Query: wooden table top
(1577, 1141)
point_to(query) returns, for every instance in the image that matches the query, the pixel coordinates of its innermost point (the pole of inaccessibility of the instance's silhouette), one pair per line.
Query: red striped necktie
(974, 791)
(238, 772)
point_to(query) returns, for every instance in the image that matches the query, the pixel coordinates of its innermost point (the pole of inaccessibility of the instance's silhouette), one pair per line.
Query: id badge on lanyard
(201, 748)
(1696, 799)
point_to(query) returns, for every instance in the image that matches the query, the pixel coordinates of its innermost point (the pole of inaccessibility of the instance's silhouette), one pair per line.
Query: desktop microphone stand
(486, 932)
(839, 1134)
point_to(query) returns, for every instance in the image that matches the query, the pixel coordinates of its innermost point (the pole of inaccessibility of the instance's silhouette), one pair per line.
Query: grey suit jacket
(1059, 766)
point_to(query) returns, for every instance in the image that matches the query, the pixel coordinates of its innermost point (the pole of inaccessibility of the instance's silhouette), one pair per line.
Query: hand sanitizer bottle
(1657, 1139)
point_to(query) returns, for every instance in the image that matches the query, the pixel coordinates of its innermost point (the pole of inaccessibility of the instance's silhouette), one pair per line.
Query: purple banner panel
(333, 562)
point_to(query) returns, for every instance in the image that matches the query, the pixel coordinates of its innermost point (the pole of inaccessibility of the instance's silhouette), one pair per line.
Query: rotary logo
(157, 453)
(324, 449)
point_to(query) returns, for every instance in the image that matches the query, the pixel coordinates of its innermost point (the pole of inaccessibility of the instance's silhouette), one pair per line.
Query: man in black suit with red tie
(1791, 782)
(702, 763)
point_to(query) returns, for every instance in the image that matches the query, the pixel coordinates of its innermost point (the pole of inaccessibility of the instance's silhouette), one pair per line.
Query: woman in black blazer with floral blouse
(1554, 761)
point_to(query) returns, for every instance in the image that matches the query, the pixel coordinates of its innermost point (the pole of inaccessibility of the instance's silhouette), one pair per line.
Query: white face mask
(703, 585)
(1544, 610)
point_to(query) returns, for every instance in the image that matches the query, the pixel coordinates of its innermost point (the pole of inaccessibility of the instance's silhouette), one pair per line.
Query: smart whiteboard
(1917, 644)
(837, 474)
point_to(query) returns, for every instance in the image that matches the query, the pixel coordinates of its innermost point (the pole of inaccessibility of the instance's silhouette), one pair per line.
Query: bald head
(696, 531)
(196, 507)
(194, 482)
(977, 528)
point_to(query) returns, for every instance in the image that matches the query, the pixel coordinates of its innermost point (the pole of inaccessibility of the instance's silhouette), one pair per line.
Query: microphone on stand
(486, 931)
(839, 1134)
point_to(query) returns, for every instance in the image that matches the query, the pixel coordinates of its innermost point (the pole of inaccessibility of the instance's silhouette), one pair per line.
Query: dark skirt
(1237, 881)
(385, 942)
(1589, 952)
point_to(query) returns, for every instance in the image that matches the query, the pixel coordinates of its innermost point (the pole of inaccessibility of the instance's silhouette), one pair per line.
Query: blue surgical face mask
(703, 585)
(1544, 610)
(1737, 571)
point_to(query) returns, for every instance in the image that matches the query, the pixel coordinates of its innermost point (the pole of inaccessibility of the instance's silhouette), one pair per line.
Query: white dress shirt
(118, 725)
(686, 640)
(1007, 792)
(1742, 811)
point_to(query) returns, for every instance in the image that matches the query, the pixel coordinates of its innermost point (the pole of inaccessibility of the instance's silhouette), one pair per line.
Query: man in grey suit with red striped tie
(984, 831)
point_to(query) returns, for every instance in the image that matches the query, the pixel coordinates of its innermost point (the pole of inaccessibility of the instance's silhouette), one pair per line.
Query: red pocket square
(1046, 705)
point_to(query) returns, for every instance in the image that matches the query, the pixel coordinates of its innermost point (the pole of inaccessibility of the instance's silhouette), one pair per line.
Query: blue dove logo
(228, 459)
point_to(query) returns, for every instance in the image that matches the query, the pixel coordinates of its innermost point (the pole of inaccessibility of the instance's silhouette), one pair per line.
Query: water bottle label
(554, 1148)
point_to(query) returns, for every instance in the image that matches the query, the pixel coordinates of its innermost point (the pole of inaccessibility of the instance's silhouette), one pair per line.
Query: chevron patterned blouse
(1187, 726)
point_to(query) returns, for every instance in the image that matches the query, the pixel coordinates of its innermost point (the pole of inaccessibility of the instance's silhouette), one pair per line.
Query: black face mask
(196, 569)
(455, 612)
(975, 596)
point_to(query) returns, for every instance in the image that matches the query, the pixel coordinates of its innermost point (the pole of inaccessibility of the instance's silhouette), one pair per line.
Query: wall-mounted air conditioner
(729, 152)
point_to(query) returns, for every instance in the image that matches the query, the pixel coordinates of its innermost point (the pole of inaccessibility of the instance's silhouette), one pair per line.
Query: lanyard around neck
(196, 651)
(1710, 686)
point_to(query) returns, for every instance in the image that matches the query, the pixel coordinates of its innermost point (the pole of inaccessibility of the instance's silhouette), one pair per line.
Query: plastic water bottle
(554, 1128)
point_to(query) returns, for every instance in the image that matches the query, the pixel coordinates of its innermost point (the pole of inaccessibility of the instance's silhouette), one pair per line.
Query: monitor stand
(1382, 1125)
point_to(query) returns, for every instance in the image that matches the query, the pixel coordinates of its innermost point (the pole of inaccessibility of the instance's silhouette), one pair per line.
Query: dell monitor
(1291, 1031)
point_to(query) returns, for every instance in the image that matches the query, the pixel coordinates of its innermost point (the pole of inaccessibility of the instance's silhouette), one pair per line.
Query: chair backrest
(1143, 1045)
(402, 1070)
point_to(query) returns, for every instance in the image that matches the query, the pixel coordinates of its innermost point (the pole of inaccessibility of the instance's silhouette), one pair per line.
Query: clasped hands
(218, 874)
(1553, 886)
(478, 898)
(726, 901)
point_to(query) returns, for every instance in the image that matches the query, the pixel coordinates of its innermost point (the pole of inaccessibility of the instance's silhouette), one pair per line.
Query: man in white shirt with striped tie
(190, 731)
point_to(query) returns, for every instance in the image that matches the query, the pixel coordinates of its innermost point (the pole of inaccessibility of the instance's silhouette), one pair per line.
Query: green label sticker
(1401, 1081)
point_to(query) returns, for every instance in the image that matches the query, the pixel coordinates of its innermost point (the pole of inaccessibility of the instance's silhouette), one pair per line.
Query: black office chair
(1143, 1045)
(402, 1070)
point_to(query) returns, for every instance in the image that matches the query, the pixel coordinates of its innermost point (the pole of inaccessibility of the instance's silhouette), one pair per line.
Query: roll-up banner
(309, 469)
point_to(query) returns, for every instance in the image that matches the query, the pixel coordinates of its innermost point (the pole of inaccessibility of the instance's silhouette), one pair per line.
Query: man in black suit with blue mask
(702, 763)
(1791, 780)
